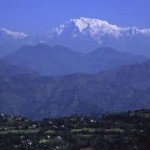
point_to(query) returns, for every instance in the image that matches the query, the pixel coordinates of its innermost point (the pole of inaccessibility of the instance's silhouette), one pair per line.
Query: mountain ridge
(59, 60)
(82, 35)
(119, 90)
(95, 33)
(7, 69)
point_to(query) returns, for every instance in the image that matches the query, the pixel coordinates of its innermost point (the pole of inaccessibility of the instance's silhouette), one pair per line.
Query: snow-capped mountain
(97, 28)
(86, 34)
(12, 34)
(11, 40)
(82, 35)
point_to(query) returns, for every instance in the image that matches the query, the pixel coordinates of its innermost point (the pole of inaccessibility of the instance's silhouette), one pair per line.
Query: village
(124, 131)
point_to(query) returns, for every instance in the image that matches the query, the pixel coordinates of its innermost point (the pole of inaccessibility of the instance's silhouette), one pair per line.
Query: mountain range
(95, 33)
(83, 66)
(59, 60)
(122, 89)
(82, 35)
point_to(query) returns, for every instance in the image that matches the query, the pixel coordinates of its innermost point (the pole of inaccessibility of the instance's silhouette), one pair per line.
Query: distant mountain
(7, 69)
(86, 34)
(106, 58)
(11, 41)
(47, 60)
(82, 35)
(135, 76)
(4, 33)
(60, 60)
(122, 89)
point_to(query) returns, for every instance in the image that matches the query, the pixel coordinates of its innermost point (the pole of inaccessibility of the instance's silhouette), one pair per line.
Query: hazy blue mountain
(47, 60)
(10, 41)
(122, 89)
(60, 60)
(7, 69)
(106, 58)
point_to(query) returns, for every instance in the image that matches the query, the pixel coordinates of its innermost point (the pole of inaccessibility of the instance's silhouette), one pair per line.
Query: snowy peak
(88, 26)
(97, 27)
(11, 40)
(13, 34)
(143, 31)
(85, 34)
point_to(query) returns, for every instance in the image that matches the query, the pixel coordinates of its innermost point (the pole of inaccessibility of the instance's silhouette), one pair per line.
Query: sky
(33, 16)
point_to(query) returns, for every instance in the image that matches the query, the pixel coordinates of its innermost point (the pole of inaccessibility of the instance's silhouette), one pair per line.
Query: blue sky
(33, 16)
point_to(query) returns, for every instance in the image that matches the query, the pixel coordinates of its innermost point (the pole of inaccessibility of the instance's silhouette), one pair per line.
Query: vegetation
(126, 131)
